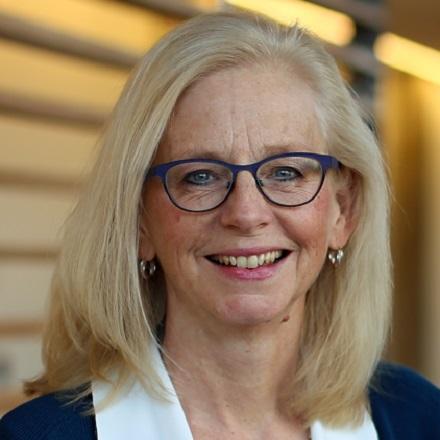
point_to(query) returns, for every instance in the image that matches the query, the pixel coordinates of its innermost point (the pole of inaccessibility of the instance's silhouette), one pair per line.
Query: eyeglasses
(288, 179)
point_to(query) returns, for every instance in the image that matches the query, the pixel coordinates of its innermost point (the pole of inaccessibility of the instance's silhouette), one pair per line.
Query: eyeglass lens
(288, 181)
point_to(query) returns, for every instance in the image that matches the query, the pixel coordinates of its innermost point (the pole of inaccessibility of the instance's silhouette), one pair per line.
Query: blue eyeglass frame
(326, 162)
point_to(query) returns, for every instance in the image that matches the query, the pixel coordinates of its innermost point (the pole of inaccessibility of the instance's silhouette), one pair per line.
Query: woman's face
(241, 115)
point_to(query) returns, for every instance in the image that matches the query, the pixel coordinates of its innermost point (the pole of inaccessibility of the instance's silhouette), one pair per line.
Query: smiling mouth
(250, 261)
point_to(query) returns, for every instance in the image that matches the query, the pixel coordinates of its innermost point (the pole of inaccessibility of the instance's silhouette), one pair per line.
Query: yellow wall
(430, 309)
(410, 121)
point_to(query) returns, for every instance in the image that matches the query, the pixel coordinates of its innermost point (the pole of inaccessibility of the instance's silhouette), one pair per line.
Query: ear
(146, 249)
(347, 185)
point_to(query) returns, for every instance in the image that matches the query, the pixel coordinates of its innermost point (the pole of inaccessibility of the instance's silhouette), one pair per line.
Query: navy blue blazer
(404, 406)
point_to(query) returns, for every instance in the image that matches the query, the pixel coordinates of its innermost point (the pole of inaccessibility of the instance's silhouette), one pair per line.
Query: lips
(248, 261)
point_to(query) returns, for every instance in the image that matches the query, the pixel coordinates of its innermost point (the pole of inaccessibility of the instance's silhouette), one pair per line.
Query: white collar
(136, 415)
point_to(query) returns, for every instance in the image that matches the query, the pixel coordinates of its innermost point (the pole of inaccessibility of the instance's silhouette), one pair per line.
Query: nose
(245, 209)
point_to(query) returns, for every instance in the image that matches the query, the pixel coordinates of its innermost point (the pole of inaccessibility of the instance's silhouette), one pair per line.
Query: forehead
(242, 114)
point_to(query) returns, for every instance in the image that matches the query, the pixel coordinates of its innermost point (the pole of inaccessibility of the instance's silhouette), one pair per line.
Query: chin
(252, 310)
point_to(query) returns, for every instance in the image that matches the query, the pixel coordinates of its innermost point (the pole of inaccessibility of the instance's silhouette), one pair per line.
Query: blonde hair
(102, 315)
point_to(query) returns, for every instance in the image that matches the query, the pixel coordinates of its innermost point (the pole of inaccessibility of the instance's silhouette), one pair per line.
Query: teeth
(242, 262)
(250, 262)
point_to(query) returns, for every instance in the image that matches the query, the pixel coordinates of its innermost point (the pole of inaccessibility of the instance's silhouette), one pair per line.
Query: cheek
(310, 225)
(321, 216)
(174, 233)
(164, 222)
(174, 219)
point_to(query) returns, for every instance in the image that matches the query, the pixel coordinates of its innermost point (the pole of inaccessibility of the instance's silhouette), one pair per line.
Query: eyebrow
(203, 155)
(269, 149)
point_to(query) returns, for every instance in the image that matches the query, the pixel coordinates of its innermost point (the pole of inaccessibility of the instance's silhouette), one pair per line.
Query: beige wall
(43, 160)
(410, 127)
(430, 310)
(37, 159)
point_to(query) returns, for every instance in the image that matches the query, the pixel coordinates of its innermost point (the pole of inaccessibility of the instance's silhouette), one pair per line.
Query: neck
(234, 375)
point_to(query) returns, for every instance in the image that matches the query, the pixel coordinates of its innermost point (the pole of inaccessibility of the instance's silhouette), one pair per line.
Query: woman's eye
(285, 173)
(200, 177)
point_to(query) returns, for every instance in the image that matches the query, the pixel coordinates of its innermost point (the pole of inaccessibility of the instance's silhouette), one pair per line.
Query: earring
(335, 257)
(147, 268)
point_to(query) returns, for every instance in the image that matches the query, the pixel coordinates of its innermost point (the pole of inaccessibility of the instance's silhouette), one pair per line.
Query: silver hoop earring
(335, 257)
(147, 268)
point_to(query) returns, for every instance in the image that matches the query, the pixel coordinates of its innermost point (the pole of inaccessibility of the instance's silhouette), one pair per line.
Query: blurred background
(62, 66)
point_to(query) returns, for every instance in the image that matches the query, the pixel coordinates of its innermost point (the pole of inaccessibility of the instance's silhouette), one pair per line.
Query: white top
(136, 415)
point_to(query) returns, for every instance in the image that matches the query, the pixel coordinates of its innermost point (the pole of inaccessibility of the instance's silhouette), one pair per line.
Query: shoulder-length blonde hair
(102, 315)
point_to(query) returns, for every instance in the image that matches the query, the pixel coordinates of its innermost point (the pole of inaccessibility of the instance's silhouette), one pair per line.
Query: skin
(234, 342)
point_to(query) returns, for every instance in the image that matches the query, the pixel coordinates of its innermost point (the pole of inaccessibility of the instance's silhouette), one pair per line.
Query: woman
(226, 273)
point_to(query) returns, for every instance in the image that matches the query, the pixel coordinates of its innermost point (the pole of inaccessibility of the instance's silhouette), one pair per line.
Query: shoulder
(49, 417)
(404, 405)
